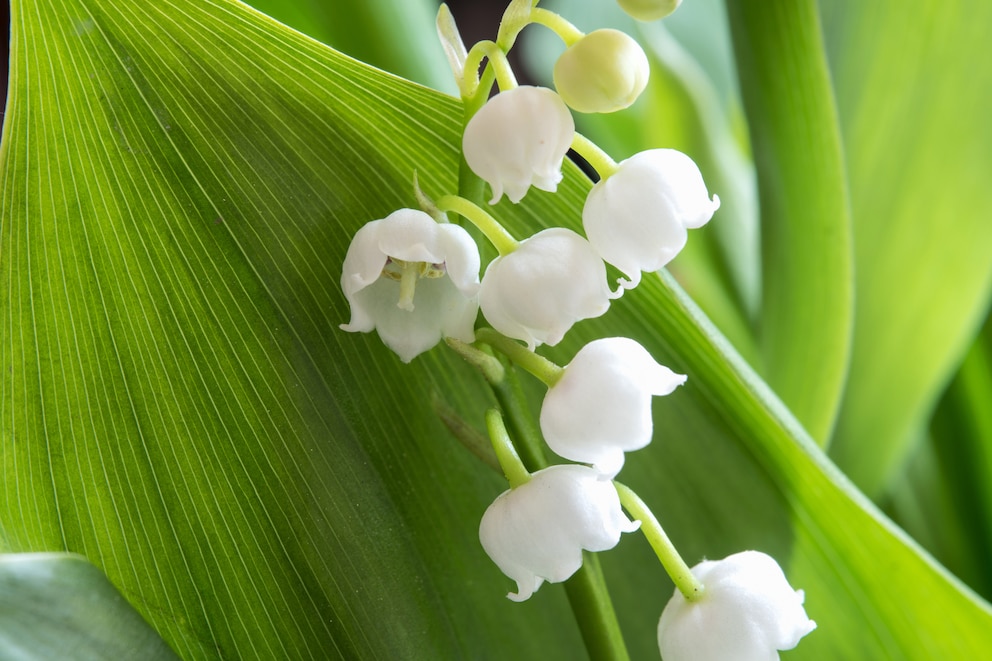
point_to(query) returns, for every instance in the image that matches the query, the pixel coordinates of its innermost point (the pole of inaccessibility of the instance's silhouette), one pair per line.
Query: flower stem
(670, 559)
(587, 595)
(595, 156)
(549, 19)
(548, 372)
(514, 470)
(470, 86)
(496, 233)
(526, 435)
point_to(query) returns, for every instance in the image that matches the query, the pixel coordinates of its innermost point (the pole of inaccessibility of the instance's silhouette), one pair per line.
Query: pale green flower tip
(748, 612)
(605, 71)
(649, 10)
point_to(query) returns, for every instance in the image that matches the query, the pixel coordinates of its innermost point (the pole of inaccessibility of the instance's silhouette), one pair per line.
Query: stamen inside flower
(407, 274)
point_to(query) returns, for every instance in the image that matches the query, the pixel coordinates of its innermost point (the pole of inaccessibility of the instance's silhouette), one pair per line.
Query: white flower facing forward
(604, 71)
(537, 531)
(537, 292)
(413, 280)
(637, 218)
(519, 139)
(601, 406)
(747, 612)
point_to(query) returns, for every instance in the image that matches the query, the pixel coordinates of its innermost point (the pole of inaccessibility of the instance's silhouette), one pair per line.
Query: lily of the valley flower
(748, 612)
(537, 531)
(604, 71)
(519, 139)
(637, 218)
(413, 280)
(538, 291)
(649, 10)
(601, 406)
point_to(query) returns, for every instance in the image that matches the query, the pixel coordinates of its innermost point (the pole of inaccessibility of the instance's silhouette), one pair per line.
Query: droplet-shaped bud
(537, 292)
(413, 280)
(537, 531)
(748, 612)
(604, 71)
(637, 218)
(649, 10)
(601, 406)
(518, 140)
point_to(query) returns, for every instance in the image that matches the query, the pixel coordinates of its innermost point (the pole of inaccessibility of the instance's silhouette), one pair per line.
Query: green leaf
(59, 606)
(395, 35)
(178, 186)
(807, 281)
(952, 474)
(913, 94)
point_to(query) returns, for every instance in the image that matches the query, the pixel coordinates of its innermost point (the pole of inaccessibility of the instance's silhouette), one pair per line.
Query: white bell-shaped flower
(637, 218)
(604, 71)
(649, 10)
(601, 406)
(748, 612)
(537, 292)
(537, 531)
(519, 139)
(413, 280)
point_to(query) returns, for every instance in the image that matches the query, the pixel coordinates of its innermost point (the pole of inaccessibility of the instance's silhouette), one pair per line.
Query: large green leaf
(807, 279)
(395, 35)
(58, 606)
(179, 185)
(913, 90)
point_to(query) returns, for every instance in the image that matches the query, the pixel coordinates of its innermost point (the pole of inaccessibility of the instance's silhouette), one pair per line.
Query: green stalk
(540, 367)
(586, 589)
(805, 218)
(670, 558)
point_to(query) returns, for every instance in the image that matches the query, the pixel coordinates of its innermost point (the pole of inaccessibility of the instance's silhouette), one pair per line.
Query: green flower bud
(604, 71)
(649, 10)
